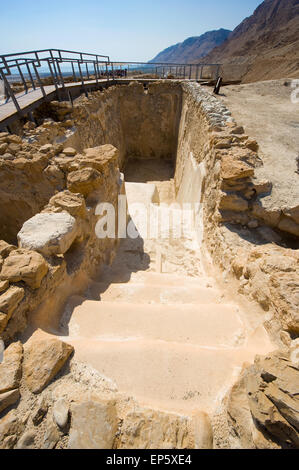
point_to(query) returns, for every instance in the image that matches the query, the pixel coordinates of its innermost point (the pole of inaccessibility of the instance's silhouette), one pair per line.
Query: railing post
(30, 75)
(39, 81)
(11, 93)
(22, 76)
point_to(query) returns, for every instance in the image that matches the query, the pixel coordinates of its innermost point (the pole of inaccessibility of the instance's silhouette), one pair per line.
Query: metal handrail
(52, 58)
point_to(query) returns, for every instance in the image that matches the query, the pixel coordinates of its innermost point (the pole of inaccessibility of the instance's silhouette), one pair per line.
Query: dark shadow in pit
(147, 170)
(130, 258)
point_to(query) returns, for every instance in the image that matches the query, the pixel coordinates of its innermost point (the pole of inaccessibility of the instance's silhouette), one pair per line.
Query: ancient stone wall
(58, 248)
(51, 182)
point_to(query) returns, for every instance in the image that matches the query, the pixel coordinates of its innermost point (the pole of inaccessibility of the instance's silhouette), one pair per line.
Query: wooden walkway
(33, 98)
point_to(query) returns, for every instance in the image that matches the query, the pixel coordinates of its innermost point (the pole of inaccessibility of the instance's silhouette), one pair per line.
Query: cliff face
(266, 44)
(194, 48)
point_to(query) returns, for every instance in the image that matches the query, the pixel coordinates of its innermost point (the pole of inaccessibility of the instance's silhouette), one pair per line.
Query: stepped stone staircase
(157, 326)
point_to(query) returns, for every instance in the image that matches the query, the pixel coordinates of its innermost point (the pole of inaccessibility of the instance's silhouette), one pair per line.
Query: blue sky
(125, 30)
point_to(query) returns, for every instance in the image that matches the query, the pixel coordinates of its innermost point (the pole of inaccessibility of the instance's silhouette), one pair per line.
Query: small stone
(8, 398)
(11, 299)
(252, 145)
(11, 367)
(5, 249)
(61, 413)
(40, 412)
(7, 156)
(253, 224)
(69, 152)
(51, 437)
(46, 148)
(84, 181)
(237, 130)
(3, 148)
(26, 441)
(4, 285)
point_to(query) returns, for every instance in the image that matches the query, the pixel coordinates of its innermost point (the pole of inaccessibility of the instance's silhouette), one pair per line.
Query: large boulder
(49, 233)
(44, 356)
(27, 266)
(11, 367)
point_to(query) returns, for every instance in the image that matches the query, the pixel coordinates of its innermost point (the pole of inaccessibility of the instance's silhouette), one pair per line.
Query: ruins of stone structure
(147, 342)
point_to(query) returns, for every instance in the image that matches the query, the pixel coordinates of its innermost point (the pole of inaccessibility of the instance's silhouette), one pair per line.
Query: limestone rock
(4, 319)
(4, 285)
(272, 389)
(252, 145)
(103, 152)
(49, 233)
(5, 249)
(46, 148)
(40, 411)
(73, 203)
(26, 441)
(150, 429)
(84, 181)
(27, 266)
(233, 202)
(51, 436)
(61, 413)
(8, 398)
(69, 152)
(288, 225)
(232, 169)
(10, 429)
(11, 299)
(11, 367)
(44, 356)
(292, 212)
(94, 425)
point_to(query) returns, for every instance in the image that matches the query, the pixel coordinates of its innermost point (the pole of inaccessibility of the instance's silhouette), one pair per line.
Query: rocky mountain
(265, 45)
(193, 48)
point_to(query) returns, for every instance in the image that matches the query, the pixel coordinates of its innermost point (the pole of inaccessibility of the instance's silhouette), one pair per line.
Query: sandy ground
(267, 113)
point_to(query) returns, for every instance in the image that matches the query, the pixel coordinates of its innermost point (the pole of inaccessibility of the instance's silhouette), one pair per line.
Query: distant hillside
(192, 49)
(265, 45)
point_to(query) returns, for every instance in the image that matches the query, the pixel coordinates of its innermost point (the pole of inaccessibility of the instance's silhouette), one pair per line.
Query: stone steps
(211, 325)
(149, 293)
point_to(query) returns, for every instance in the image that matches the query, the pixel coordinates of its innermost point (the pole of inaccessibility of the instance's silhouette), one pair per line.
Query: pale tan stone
(11, 299)
(84, 181)
(44, 356)
(27, 266)
(8, 398)
(11, 367)
(94, 425)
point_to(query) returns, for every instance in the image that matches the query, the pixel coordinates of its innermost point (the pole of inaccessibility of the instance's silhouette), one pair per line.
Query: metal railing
(51, 62)
(36, 69)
